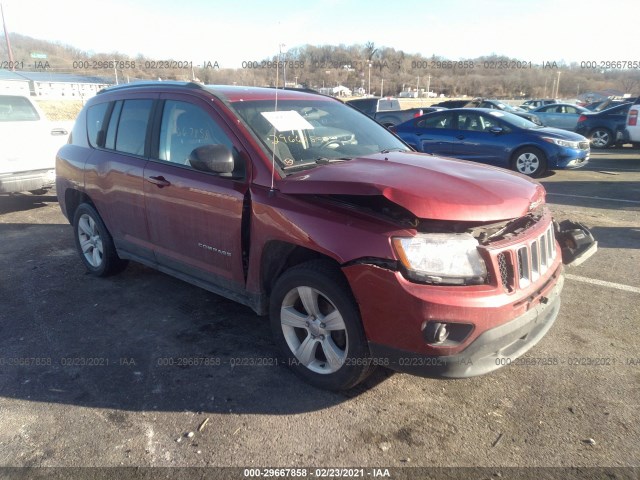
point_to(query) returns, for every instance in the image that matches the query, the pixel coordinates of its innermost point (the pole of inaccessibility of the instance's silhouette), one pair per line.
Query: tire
(601, 138)
(302, 300)
(529, 161)
(94, 243)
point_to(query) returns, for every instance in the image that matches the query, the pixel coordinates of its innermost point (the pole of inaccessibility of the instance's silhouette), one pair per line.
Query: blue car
(497, 138)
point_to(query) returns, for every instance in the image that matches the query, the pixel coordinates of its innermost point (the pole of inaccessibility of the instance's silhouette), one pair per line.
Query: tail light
(582, 118)
(418, 114)
(633, 118)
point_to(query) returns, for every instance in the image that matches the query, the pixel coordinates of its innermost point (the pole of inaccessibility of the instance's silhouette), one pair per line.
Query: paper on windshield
(287, 120)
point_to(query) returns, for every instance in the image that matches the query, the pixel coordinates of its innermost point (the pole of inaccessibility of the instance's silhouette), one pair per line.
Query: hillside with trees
(365, 67)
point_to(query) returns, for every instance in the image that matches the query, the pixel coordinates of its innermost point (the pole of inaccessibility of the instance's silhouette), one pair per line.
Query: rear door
(118, 132)
(195, 217)
(432, 134)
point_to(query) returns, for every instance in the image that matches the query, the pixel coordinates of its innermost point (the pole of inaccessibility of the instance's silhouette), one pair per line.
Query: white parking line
(594, 198)
(597, 169)
(602, 283)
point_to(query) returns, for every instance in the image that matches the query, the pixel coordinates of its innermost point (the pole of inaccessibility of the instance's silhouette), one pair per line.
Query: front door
(195, 217)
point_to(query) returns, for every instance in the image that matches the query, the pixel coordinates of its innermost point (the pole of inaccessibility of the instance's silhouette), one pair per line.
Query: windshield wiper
(324, 160)
(389, 150)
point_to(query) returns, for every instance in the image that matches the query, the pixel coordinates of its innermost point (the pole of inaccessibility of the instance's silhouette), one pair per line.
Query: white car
(633, 126)
(29, 143)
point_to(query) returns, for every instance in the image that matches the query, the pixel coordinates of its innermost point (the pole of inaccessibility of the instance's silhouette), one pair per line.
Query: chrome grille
(527, 263)
(535, 258)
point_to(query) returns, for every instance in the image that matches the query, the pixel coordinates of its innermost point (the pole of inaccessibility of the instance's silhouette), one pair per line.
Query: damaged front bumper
(576, 242)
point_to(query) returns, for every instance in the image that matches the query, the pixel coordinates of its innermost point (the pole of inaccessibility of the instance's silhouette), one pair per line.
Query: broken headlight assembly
(441, 258)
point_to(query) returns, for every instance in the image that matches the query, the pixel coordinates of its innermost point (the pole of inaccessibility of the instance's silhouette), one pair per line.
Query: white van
(29, 143)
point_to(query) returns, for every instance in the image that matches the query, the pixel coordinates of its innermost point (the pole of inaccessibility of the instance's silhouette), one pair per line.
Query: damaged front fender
(576, 241)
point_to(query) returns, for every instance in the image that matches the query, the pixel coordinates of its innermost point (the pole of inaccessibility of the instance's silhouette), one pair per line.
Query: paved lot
(90, 371)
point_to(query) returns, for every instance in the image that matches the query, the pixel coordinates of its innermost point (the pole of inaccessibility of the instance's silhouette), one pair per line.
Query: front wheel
(94, 243)
(316, 324)
(529, 161)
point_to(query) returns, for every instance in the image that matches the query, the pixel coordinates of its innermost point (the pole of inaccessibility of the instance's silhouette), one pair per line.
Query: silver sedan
(560, 115)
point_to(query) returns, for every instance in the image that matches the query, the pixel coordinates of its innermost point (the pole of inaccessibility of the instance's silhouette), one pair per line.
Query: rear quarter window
(95, 124)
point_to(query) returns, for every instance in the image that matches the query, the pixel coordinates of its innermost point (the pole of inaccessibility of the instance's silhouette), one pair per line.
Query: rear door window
(132, 126)
(435, 121)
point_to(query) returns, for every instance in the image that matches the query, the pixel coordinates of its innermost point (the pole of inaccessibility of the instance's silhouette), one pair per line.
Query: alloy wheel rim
(600, 138)
(90, 241)
(314, 330)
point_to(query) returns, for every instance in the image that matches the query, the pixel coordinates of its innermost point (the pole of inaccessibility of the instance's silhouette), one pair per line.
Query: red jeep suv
(363, 252)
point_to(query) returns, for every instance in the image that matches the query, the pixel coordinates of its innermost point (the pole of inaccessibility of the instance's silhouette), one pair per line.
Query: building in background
(47, 85)
(12, 83)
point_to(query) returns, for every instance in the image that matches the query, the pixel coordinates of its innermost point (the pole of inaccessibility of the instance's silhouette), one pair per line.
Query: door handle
(159, 181)
(59, 131)
(460, 137)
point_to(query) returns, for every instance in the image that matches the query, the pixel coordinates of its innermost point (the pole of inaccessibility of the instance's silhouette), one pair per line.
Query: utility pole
(428, 85)
(6, 37)
(115, 70)
(369, 78)
(557, 86)
(382, 87)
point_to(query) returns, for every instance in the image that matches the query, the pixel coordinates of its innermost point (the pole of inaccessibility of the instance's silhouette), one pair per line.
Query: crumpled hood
(428, 186)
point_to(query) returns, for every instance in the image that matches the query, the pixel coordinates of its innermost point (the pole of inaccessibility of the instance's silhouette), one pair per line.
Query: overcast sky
(231, 32)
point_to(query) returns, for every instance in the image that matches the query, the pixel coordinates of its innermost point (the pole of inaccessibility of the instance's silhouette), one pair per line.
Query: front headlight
(562, 143)
(441, 258)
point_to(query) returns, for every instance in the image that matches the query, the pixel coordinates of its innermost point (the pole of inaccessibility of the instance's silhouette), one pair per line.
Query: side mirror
(496, 130)
(212, 158)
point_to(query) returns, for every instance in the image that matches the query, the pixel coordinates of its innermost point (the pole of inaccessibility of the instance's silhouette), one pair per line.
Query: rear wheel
(94, 243)
(601, 138)
(529, 161)
(317, 326)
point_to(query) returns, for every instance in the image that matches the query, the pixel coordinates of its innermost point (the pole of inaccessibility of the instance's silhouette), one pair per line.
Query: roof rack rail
(153, 83)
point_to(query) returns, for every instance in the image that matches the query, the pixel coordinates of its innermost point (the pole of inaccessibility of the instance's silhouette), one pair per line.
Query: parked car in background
(497, 138)
(363, 255)
(560, 115)
(386, 111)
(28, 146)
(606, 104)
(633, 127)
(498, 105)
(533, 104)
(451, 104)
(605, 128)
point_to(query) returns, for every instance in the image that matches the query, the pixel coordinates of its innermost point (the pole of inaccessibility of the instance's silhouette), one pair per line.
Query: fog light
(436, 332)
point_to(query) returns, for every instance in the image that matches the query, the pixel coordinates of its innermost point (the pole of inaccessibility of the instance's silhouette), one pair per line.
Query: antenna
(6, 37)
(272, 190)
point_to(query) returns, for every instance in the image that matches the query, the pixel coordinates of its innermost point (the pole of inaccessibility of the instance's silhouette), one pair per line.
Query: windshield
(305, 133)
(513, 120)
